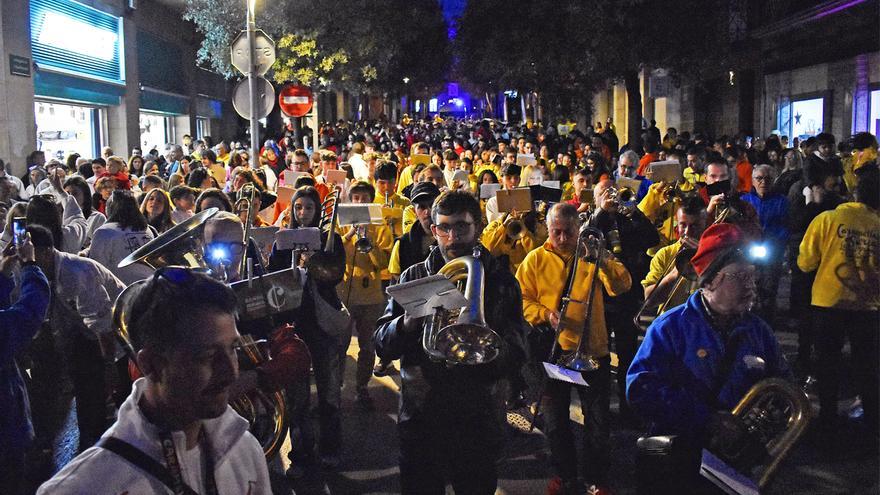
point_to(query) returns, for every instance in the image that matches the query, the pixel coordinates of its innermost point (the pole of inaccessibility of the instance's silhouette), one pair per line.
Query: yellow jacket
(843, 247)
(404, 179)
(659, 212)
(542, 277)
(363, 282)
(409, 217)
(396, 224)
(690, 179)
(661, 264)
(495, 240)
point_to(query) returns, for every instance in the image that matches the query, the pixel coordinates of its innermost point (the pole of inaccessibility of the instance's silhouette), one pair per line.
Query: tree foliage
(349, 44)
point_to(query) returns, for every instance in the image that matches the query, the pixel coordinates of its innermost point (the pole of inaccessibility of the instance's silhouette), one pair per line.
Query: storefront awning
(163, 101)
(66, 87)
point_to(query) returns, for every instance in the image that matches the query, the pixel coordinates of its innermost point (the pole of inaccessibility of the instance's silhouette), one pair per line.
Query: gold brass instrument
(686, 273)
(625, 199)
(245, 205)
(363, 243)
(462, 336)
(775, 413)
(578, 359)
(182, 246)
(514, 227)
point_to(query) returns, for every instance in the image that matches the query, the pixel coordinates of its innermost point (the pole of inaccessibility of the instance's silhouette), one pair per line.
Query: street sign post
(241, 98)
(253, 53)
(295, 100)
(265, 51)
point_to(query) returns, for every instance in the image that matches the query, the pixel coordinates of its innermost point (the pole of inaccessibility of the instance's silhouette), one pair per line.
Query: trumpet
(514, 227)
(578, 359)
(625, 199)
(245, 205)
(363, 243)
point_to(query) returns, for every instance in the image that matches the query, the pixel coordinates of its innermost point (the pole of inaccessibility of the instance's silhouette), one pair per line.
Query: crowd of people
(604, 241)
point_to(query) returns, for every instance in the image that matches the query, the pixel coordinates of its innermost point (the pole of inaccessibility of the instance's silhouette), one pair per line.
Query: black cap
(424, 191)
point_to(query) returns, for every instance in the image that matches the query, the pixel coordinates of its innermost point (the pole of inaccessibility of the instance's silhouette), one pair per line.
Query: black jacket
(430, 388)
(637, 235)
(410, 249)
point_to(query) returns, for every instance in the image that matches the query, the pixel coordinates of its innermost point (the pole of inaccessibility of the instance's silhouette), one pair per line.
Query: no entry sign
(295, 100)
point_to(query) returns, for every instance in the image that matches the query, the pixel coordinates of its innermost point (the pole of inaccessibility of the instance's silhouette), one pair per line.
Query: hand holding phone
(19, 230)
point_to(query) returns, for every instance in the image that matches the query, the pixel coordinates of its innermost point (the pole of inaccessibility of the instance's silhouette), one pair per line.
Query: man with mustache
(451, 416)
(176, 430)
(699, 359)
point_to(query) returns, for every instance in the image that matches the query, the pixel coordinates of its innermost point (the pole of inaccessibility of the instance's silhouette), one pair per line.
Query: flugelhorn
(514, 227)
(468, 339)
(363, 243)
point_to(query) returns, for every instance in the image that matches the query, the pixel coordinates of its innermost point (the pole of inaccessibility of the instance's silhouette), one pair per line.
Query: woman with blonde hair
(156, 207)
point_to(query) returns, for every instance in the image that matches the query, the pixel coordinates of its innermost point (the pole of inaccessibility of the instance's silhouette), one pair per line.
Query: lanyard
(179, 486)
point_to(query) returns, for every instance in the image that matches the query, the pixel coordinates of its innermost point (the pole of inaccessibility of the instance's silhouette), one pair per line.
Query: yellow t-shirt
(542, 277)
(661, 264)
(843, 247)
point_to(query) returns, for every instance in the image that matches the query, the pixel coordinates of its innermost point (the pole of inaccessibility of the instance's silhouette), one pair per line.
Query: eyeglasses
(460, 228)
(762, 178)
(741, 276)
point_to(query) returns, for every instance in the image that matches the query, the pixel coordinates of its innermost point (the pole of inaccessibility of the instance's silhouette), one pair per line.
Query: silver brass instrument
(245, 205)
(578, 359)
(686, 273)
(624, 198)
(363, 243)
(462, 336)
(775, 413)
(182, 246)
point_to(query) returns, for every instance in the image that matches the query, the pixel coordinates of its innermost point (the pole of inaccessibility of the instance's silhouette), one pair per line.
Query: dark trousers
(626, 343)
(831, 327)
(327, 356)
(89, 388)
(462, 450)
(768, 277)
(800, 309)
(596, 455)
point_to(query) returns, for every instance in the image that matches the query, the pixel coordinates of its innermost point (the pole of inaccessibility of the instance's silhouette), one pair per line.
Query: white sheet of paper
(359, 214)
(526, 160)
(488, 190)
(725, 477)
(564, 374)
(551, 184)
(289, 177)
(421, 297)
(304, 238)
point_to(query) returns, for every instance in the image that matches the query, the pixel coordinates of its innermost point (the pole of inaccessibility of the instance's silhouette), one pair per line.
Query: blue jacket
(670, 380)
(773, 215)
(18, 325)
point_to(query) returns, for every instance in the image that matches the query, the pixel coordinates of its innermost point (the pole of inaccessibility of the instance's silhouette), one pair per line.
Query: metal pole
(252, 84)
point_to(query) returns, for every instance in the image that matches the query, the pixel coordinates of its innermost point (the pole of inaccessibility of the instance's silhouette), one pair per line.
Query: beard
(456, 250)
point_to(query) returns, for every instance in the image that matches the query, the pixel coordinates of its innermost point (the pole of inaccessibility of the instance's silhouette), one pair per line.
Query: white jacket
(88, 289)
(239, 465)
(111, 244)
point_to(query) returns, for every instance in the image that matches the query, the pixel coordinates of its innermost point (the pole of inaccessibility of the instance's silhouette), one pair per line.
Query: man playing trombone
(451, 415)
(539, 276)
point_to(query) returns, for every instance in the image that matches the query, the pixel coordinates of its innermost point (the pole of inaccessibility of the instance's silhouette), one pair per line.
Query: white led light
(758, 251)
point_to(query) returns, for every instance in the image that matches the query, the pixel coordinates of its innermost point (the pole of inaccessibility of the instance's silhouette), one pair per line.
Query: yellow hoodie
(495, 240)
(362, 284)
(542, 277)
(843, 247)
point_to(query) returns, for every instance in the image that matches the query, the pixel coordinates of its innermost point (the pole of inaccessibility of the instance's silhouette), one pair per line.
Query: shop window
(874, 113)
(64, 129)
(802, 118)
(154, 131)
(203, 127)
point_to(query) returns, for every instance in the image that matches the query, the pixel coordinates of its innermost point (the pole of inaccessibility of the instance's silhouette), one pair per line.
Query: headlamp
(758, 252)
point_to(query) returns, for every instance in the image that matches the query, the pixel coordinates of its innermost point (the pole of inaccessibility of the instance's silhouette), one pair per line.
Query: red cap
(716, 240)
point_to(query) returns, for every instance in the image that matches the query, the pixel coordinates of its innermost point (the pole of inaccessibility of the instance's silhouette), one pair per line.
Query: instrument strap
(171, 475)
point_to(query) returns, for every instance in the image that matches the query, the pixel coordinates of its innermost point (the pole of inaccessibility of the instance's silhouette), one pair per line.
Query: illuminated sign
(89, 40)
(69, 37)
(432, 105)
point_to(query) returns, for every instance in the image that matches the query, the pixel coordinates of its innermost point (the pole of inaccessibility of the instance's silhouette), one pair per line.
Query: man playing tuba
(451, 415)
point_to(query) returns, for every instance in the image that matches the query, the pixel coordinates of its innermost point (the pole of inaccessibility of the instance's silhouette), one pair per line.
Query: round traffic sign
(241, 98)
(295, 100)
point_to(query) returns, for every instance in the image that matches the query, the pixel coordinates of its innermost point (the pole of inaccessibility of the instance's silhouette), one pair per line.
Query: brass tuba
(467, 339)
(266, 411)
(775, 414)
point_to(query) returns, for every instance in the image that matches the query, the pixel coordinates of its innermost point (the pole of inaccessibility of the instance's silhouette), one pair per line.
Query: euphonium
(467, 340)
(775, 414)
